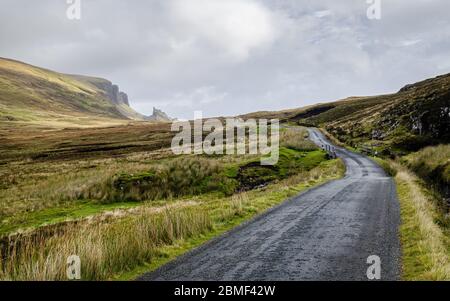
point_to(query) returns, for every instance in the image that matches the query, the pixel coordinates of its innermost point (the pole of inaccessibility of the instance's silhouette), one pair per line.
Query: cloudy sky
(227, 57)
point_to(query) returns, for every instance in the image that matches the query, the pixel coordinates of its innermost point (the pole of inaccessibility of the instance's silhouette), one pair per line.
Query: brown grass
(425, 244)
(104, 248)
(177, 177)
(432, 163)
(296, 138)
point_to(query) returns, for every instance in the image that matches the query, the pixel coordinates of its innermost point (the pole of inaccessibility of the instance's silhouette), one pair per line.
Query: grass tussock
(104, 248)
(432, 156)
(39, 186)
(178, 177)
(234, 207)
(425, 240)
(297, 139)
(433, 165)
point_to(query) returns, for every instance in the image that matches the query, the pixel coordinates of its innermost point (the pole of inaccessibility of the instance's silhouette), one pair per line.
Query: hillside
(395, 124)
(415, 117)
(36, 95)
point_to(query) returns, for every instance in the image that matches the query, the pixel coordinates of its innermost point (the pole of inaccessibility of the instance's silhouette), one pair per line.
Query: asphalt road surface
(326, 233)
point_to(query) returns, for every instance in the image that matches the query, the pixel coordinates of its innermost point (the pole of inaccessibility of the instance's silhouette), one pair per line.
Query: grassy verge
(124, 247)
(424, 232)
(388, 166)
(432, 164)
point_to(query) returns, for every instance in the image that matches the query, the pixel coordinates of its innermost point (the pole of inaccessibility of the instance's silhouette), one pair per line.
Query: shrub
(179, 177)
(433, 165)
(296, 138)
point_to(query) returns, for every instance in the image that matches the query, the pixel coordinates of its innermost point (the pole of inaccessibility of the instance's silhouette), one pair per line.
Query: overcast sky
(227, 57)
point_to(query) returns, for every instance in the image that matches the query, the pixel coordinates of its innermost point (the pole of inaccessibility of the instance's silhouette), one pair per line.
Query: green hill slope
(415, 117)
(32, 94)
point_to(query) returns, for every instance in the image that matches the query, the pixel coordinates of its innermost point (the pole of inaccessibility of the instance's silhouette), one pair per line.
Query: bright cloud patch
(233, 26)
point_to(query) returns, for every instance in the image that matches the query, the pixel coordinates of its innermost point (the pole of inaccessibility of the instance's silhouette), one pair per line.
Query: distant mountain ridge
(29, 93)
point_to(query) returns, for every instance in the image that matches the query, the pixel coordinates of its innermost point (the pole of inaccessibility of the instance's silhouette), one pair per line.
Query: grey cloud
(227, 57)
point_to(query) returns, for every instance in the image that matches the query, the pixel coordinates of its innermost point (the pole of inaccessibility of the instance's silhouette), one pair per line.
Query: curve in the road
(326, 233)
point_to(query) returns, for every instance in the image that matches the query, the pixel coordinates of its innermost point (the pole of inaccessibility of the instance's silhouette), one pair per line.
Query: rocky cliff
(33, 94)
(112, 92)
(158, 115)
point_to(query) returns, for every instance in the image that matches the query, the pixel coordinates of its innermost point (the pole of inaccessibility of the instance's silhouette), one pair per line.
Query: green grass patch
(424, 236)
(31, 220)
(196, 175)
(290, 162)
(388, 168)
(414, 259)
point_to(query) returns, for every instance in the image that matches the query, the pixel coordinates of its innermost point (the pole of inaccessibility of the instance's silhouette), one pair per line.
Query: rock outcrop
(123, 98)
(159, 115)
(112, 92)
